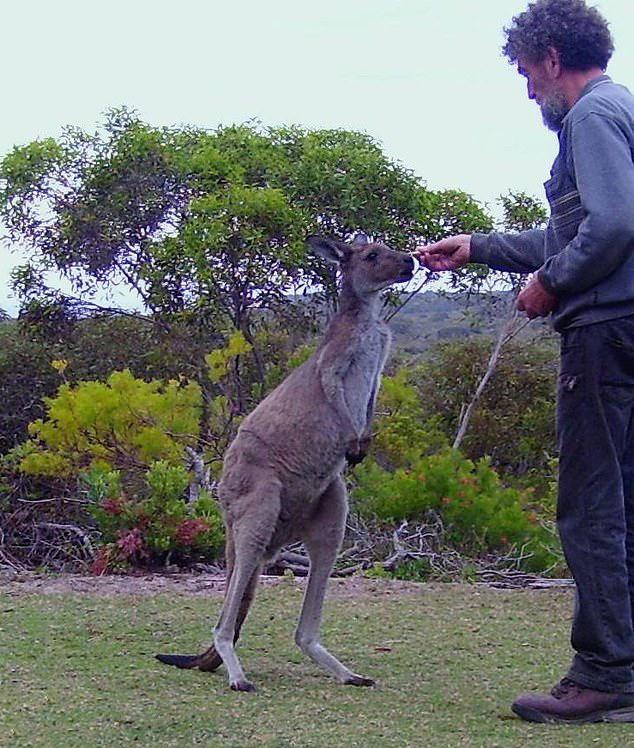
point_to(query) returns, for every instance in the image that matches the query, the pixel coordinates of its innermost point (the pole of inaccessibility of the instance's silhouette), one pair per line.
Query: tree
(26, 377)
(207, 228)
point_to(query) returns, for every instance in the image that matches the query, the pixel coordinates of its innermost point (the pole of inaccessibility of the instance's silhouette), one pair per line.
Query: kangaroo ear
(330, 250)
(360, 240)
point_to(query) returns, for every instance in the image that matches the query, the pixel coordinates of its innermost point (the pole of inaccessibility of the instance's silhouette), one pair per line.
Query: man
(583, 265)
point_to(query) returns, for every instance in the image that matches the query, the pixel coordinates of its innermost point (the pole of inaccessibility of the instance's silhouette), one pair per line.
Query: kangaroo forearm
(345, 417)
(332, 386)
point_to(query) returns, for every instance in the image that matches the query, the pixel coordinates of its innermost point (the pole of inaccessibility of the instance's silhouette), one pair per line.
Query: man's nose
(530, 90)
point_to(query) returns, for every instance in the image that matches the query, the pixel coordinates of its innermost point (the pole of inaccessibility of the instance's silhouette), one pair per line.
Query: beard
(553, 112)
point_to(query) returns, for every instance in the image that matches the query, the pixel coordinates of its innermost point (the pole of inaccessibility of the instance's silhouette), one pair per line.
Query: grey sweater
(585, 256)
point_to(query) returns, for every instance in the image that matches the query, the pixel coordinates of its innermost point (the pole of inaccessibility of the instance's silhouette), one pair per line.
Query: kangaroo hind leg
(254, 530)
(322, 540)
(209, 660)
(252, 533)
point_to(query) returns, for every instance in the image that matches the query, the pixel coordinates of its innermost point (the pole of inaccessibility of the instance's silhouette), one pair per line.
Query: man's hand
(447, 254)
(535, 300)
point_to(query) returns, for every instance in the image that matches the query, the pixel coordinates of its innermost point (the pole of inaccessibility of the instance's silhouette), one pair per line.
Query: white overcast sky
(424, 77)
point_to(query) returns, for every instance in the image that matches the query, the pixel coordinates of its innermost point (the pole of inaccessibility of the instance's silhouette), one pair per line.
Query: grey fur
(282, 475)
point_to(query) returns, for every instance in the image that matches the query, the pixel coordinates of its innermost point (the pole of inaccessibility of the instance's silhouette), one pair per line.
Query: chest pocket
(566, 211)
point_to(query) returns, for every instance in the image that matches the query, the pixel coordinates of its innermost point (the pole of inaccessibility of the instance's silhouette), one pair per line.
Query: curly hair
(579, 33)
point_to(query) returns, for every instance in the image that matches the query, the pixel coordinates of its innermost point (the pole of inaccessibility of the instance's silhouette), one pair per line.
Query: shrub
(124, 423)
(155, 524)
(514, 421)
(401, 431)
(126, 443)
(479, 513)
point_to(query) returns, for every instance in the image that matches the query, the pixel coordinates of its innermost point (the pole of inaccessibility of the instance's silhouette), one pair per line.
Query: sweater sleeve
(601, 161)
(511, 253)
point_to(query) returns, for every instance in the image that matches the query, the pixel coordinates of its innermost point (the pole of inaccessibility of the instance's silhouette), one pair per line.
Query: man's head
(557, 45)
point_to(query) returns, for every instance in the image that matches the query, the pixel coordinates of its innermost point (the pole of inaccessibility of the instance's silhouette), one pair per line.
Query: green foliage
(277, 372)
(209, 223)
(413, 472)
(156, 521)
(414, 570)
(401, 431)
(125, 442)
(513, 422)
(220, 360)
(125, 423)
(94, 347)
(479, 513)
(455, 212)
(346, 182)
(23, 166)
(26, 377)
(522, 212)
(166, 482)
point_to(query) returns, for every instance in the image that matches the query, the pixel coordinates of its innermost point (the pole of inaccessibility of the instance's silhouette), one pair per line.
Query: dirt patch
(195, 585)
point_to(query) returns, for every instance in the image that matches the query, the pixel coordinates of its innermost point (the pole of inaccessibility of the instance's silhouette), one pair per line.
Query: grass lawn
(78, 670)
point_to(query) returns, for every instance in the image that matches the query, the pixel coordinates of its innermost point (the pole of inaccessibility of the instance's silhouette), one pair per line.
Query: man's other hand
(535, 300)
(447, 254)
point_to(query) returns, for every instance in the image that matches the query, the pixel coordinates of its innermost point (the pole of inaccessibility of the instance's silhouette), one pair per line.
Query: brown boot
(569, 702)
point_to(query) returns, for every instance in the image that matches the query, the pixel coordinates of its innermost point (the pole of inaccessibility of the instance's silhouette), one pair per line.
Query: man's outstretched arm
(511, 253)
(515, 253)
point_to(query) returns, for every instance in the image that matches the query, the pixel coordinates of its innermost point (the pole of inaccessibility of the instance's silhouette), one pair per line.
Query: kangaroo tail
(210, 660)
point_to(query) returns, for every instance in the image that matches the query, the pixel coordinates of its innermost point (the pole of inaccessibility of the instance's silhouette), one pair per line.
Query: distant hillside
(430, 318)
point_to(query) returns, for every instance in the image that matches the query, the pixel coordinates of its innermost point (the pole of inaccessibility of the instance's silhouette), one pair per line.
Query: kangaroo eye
(372, 256)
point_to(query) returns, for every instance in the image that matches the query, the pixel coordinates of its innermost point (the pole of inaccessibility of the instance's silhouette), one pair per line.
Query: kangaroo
(282, 474)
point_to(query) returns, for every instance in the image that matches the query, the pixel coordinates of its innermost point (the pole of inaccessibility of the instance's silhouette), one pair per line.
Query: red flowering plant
(102, 560)
(131, 543)
(157, 522)
(190, 529)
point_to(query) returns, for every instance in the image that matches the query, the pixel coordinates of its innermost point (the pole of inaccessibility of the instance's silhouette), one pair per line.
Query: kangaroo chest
(361, 381)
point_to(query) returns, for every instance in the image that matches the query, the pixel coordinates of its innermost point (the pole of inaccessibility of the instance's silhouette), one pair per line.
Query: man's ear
(553, 60)
(330, 250)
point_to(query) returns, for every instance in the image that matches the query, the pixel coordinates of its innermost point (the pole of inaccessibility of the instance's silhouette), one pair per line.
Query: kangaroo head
(367, 266)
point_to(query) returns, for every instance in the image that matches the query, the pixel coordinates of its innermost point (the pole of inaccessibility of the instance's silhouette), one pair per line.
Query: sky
(425, 78)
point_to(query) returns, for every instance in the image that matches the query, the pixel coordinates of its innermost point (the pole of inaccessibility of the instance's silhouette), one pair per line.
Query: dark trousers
(595, 509)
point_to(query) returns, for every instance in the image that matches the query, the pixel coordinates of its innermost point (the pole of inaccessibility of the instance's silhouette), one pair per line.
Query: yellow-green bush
(123, 445)
(123, 423)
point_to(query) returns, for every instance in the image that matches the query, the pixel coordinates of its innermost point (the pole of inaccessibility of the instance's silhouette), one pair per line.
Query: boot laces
(564, 687)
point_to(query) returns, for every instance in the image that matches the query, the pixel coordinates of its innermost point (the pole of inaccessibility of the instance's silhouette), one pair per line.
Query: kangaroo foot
(242, 685)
